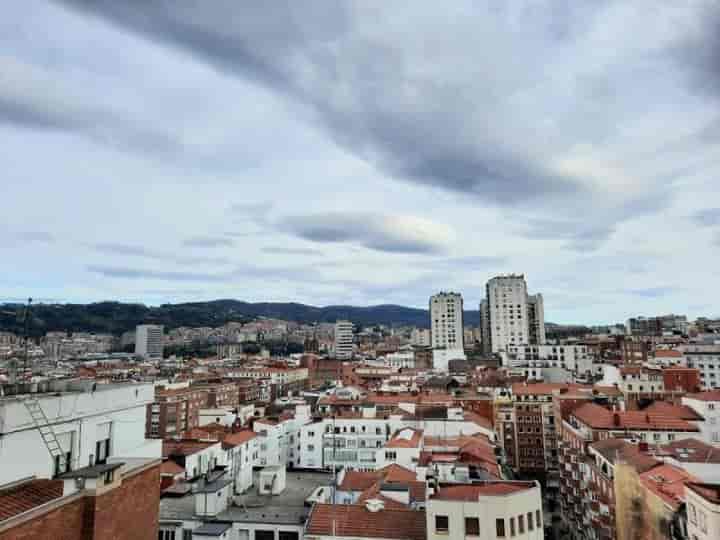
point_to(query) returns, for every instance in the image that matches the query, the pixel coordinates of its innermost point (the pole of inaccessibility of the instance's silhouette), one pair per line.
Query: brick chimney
(616, 419)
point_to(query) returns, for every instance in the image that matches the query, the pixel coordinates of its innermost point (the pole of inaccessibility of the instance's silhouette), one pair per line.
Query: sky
(362, 152)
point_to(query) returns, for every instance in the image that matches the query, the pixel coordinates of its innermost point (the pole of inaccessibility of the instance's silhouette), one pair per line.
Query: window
(441, 524)
(311, 447)
(187, 534)
(391, 456)
(521, 524)
(166, 535)
(500, 528)
(530, 521)
(102, 450)
(288, 535)
(472, 526)
(538, 520)
(512, 526)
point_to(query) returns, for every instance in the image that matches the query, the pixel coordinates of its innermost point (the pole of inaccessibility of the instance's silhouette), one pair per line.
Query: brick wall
(64, 523)
(128, 512)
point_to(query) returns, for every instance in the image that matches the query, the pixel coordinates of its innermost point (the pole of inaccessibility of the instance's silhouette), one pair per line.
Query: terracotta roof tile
(668, 483)
(24, 497)
(598, 417)
(405, 438)
(169, 467)
(668, 409)
(471, 492)
(354, 520)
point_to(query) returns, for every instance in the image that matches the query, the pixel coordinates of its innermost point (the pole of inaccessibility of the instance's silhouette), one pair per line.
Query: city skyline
(348, 155)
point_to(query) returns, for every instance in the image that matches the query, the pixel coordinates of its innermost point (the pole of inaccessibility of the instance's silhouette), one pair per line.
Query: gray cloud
(652, 292)
(127, 250)
(33, 97)
(708, 217)
(392, 234)
(277, 250)
(164, 275)
(426, 137)
(36, 236)
(208, 242)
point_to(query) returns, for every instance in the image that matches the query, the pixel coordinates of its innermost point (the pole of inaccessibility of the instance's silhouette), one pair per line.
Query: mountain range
(118, 317)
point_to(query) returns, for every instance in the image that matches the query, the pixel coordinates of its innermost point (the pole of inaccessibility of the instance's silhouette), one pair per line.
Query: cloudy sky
(362, 152)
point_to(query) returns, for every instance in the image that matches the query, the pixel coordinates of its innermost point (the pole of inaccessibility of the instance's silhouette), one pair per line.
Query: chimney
(643, 447)
(616, 419)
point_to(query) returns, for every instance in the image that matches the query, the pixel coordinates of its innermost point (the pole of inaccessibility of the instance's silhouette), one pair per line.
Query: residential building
(75, 462)
(374, 519)
(706, 358)
(343, 340)
(703, 510)
(509, 316)
(491, 510)
(149, 341)
(174, 411)
(90, 423)
(446, 321)
(707, 405)
(420, 337)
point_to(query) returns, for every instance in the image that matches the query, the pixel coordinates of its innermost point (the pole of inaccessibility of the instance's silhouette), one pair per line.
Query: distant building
(509, 316)
(343, 340)
(148, 341)
(446, 321)
(420, 337)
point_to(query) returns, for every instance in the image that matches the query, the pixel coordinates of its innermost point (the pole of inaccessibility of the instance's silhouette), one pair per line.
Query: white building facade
(149, 341)
(446, 321)
(343, 340)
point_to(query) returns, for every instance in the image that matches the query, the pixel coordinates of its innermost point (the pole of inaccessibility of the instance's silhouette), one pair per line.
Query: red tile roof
(598, 417)
(24, 497)
(239, 437)
(358, 480)
(691, 451)
(668, 483)
(354, 520)
(668, 353)
(184, 448)
(397, 473)
(668, 409)
(537, 389)
(169, 467)
(471, 492)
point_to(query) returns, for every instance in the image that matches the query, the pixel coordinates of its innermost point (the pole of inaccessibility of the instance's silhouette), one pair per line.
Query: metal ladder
(46, 432)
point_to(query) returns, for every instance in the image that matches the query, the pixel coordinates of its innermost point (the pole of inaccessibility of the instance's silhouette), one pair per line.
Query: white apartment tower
(446, 321)
(509, 316)
(149, 341)
(343, 340)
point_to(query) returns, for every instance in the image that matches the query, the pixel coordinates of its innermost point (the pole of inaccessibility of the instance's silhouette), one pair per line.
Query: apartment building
(343, 344)
(706, 358)
(707, 405)
(509, 316)
(174, 411)
(492, 510)
(90, 422)
(446, 321)
(703, 510)
(149, 341)
(75, 462)
(574, 358)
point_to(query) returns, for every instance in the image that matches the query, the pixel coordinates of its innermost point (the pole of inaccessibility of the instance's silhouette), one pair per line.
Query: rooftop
(355, 520)
(668, 483)
(598, 417)
(22, 497)
(710, 395)
(286, 508)
(472, 492)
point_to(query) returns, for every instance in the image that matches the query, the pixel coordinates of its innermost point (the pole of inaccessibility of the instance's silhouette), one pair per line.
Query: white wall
(74, 416)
